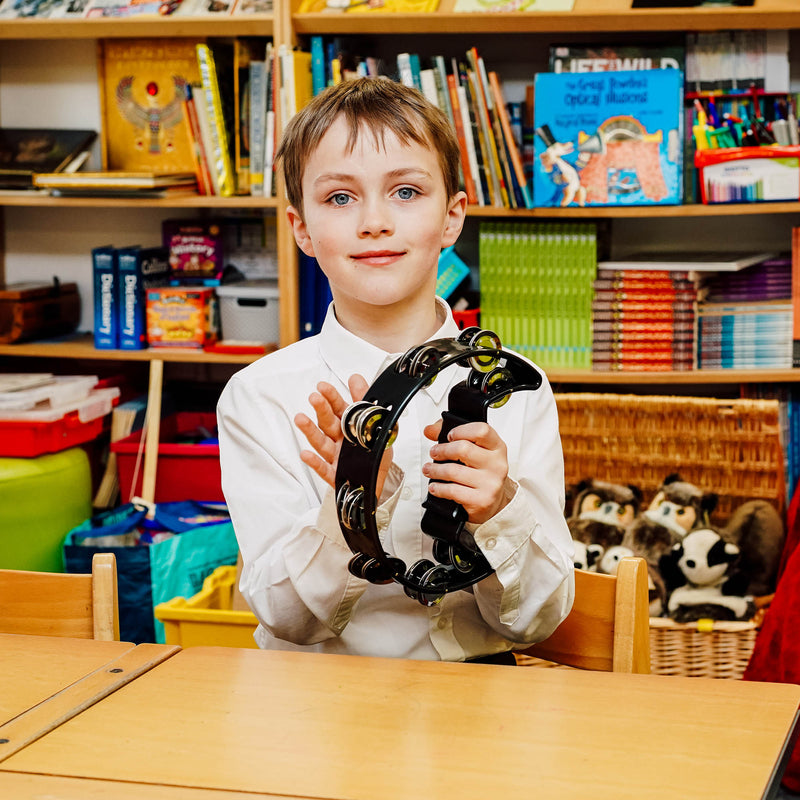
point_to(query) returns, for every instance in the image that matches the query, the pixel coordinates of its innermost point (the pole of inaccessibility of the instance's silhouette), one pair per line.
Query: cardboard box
(181, 316)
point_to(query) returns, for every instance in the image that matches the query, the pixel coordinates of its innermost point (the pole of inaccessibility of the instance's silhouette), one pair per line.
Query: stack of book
(536, 289)
(745, 318)
(26, 153)
(642, 320)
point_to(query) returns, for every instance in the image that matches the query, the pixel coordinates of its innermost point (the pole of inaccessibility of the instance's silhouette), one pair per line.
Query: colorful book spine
(105, 275)
(139, 269)
(258, 119)
(205, 184)
(219, 138)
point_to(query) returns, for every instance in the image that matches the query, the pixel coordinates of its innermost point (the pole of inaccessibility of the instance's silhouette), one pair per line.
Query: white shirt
(295, 557)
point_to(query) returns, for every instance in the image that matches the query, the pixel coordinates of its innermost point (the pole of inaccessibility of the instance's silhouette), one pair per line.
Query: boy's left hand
(477, 482)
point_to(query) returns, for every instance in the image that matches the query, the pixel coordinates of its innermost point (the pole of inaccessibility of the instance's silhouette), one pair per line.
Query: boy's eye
(340, 199)
(406, 193)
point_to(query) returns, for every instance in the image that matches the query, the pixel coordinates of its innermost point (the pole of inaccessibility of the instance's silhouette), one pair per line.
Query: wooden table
(324, 726)
(45, 680)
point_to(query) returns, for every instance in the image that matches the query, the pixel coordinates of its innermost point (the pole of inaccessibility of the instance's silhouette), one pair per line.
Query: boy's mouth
(378, 257)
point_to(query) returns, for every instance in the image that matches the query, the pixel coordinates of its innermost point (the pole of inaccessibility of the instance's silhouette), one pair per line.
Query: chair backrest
(57, 604)
(608, 628)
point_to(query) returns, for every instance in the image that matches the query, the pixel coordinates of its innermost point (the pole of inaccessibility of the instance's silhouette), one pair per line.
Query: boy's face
(376, 220)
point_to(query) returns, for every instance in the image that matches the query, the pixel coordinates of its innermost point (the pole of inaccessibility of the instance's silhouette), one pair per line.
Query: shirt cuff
(502, 535)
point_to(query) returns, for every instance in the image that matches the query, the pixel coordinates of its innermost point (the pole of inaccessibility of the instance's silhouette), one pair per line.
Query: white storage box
(248, 311)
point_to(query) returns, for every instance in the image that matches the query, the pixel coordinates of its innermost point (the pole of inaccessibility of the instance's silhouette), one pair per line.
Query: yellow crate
(207, 618)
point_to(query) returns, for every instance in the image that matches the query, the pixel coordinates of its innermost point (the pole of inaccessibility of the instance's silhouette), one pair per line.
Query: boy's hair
(376, 104)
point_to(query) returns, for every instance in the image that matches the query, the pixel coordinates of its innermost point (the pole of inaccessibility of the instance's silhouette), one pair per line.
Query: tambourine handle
(444, 518)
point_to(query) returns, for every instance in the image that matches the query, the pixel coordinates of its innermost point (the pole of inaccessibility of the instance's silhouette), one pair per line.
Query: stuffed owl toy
(602, 511)
(677, 508)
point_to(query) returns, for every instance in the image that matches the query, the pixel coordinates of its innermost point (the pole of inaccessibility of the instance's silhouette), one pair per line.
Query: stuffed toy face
(609, 563)
(586, 556)
(608, 503)
(704, 557)
(680, 506)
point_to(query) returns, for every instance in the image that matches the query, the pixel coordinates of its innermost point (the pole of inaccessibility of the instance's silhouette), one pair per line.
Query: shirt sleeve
(528, 542)
(294, 576)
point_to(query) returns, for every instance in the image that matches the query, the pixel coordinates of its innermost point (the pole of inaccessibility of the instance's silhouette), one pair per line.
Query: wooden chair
(56, 604)
(608, 628)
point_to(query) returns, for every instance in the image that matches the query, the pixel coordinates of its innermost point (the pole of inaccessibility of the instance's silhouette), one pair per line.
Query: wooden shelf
(697, 377)
(151, 26)
(655, 212)
(587, 16)
(39, 199)
(82, 347)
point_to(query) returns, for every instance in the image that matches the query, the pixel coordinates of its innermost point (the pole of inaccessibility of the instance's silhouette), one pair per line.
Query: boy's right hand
(326, 435)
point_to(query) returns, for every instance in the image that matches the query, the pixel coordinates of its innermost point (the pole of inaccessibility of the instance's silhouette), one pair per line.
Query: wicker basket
(692, 650)
(731, 447)
(697, 650)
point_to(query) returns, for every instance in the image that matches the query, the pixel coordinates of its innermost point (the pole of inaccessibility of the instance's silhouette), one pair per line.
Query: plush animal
(756, 528)
(602, 512)
(587, 556)
(702, 579)
(677, 508)
(609, 562)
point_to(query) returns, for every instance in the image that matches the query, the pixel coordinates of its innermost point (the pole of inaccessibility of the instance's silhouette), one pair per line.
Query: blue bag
(167, 556)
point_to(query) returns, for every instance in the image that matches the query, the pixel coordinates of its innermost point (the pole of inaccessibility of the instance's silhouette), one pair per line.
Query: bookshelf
(28, 39)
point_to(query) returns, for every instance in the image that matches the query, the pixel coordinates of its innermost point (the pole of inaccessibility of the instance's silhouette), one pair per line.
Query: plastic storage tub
(185, 471)
(249, 311)
(207, 618)
(50, 429)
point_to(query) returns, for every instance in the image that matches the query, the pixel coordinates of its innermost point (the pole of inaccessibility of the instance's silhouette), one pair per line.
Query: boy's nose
(375, 219)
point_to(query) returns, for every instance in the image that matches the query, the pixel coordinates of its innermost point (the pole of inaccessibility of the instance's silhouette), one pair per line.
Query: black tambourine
(370, 426)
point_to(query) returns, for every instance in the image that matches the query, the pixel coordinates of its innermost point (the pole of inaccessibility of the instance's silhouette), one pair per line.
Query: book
(27, 152)
(364, 7)
(608, 138)
(511, 6)
(142, 85)
(242, 123)
(614, 58)
(115, 179)
(195, 249)
(467, 150)
(253, 7)
(693, 261)
(258, 117)
(220, 148)
(105, 277)
(205, 184)
(206, 144)
(511, 144)
(138, 269)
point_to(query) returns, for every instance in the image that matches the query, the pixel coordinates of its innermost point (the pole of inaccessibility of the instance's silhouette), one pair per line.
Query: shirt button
(441, 624)
(407, 493)
(490, 543)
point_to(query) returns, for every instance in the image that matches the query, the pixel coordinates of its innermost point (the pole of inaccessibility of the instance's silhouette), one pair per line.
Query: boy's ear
(300, 231)
(456, 212)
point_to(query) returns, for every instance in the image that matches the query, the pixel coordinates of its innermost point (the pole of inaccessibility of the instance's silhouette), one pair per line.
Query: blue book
(106, 329)
(608, 138)
(138, 269)
(318, 79)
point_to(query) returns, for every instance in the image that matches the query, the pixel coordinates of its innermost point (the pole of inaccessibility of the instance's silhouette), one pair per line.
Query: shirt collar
(341, 350)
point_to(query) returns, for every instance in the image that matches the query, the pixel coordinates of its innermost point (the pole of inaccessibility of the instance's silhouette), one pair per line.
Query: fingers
(319, 465)
(358, 387)
(470, 469)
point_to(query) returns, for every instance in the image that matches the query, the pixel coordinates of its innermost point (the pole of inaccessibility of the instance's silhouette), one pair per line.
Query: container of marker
(769, 173)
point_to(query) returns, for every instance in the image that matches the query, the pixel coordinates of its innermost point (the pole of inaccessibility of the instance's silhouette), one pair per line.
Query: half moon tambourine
(369, 426)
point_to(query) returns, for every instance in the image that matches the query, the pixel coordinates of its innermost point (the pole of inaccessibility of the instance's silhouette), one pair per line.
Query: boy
(372, 179)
